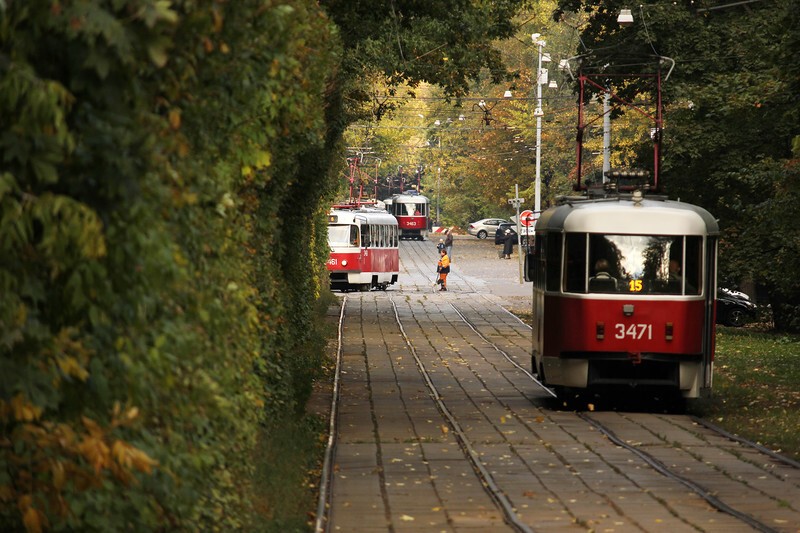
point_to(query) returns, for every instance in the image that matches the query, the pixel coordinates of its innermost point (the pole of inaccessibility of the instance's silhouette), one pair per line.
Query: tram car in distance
(412, 211)
(624, 296)
(364, 249)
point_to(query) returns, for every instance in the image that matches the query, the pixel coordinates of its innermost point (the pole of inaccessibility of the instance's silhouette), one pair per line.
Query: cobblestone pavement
(430, 380)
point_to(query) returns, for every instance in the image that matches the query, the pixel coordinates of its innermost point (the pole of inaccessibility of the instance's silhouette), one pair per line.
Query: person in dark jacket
(508, 244)
(448, 243)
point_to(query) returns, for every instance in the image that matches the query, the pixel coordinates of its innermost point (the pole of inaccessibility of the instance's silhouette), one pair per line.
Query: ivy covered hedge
(162, 164)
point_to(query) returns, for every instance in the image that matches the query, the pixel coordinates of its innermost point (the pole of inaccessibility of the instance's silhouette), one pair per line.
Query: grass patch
(756, 388)
(289, 456)
(291, 448)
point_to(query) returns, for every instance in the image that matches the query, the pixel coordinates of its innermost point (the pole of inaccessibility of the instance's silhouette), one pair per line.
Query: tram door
(709, 327)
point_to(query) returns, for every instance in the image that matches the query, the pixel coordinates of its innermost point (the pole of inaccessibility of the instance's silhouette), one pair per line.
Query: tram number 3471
(633, 331)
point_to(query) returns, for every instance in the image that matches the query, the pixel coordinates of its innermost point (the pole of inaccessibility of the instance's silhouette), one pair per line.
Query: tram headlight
(344, 262)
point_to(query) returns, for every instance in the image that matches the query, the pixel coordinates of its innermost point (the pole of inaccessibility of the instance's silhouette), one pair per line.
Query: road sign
(526, 218)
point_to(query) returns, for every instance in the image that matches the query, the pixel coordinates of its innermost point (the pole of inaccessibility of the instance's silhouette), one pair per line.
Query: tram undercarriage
(679, 374)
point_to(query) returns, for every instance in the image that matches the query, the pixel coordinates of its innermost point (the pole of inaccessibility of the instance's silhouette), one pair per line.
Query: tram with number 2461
(364, 249)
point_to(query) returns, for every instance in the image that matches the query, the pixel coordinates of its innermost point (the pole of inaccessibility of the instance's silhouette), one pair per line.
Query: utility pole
(606, 135)
(438, 185)
(516, 202)
(541, 78)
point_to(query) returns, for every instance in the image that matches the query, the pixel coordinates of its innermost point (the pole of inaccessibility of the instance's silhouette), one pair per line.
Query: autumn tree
(732, 109)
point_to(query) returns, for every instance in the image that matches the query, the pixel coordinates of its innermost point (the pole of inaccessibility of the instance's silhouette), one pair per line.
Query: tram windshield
(633, 264)
(343, 235)
(410, 209)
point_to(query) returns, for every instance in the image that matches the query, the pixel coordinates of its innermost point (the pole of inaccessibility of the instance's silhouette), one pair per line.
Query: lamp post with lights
(541, 79)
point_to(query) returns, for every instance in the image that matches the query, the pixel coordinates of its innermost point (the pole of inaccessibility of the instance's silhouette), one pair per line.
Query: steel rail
(662, 469)
(489, 484)
(503, 352)
(326, 476)
(646, 457)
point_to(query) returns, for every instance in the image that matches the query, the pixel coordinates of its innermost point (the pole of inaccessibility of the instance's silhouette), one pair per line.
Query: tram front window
(343, 235)
(633, 264)
(413, 209)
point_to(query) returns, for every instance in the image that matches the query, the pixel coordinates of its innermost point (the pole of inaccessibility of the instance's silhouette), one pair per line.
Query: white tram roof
(410, 198)
(625, 216)
(364, 214)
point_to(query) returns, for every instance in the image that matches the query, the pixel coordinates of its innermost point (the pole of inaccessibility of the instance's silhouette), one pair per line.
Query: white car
(485, 227)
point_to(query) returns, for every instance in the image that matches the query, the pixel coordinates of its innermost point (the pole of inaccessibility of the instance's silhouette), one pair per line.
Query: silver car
(485, 227)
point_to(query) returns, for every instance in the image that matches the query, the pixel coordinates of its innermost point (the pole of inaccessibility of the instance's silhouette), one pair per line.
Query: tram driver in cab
(602, 281)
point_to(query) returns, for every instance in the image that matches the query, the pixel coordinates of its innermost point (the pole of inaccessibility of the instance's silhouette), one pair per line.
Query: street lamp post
(438, 185)
(541, 78)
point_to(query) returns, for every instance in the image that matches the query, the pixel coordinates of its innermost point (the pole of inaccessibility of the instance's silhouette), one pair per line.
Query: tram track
(323, 500)
(486, 467)
(492, 488)
(650, 459)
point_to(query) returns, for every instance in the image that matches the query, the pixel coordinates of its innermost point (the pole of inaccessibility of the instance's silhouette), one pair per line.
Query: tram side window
(366, 237)
(354, 236)
(693, 269)
(575, 267)
(553, 267)
(539, 262)
(383, 236)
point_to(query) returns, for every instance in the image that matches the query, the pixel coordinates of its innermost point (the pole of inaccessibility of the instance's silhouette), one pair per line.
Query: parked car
(500, 233)
(734, 308)
(485, 227)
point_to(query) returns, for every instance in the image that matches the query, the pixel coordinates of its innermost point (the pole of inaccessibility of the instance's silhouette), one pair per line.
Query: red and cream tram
(624, 294)
(364, 253)
(411, 210)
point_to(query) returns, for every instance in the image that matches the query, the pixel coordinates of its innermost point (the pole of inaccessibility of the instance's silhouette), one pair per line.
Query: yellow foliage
(59, 475)
(179, 259)
(262, 159)
(70, 355)
(175, 119)
(33, 520)
(23, 410)
(96, 453)
(218, 19)
(129, 457)
(71, 367)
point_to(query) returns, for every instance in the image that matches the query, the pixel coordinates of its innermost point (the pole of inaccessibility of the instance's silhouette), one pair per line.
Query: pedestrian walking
(508, 244)
(443, 268)
(448, 243)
